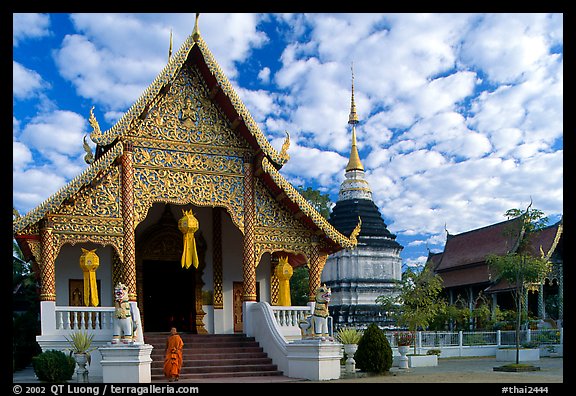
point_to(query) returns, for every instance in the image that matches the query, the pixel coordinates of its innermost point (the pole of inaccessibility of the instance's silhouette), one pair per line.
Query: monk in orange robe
(173, 359)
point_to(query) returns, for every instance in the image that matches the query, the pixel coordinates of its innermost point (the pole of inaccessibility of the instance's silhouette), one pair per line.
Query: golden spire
(353, 118)
(170, 48)
(354, 162)
(196, 31)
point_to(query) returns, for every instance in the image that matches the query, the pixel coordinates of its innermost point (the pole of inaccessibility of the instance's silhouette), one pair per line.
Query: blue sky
(461, 115)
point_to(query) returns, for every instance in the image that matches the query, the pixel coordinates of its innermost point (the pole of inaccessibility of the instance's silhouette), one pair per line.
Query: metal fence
(439, 339)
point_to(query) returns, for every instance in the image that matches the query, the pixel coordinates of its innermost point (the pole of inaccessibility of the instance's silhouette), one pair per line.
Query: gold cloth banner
(89, 262)
(188, 225)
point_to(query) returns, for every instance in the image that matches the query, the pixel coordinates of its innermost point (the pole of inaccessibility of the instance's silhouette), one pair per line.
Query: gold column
(47, 270)
(129, 261)
(116, 267)
(217, 257)
(274, 281)
(249, 254)
(317, 262)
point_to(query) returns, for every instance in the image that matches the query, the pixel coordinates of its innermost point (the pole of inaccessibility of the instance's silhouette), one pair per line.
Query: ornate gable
(189, 134)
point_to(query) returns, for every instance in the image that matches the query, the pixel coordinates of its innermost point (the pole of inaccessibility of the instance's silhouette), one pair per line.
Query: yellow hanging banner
(188, 225)
(89, 262)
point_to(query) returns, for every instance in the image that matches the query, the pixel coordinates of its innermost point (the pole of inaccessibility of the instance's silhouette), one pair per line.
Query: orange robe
(173, 359)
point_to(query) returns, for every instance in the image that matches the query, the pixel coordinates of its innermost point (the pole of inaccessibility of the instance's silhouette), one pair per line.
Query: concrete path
(449, 370)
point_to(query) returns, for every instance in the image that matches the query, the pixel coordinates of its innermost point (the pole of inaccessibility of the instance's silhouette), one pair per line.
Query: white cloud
(506, 60)
(33, 186)
(461, 114)
(26, 83)
(59, 132)
(29, 26)
(312, 163)
(264, 75)
(21, 155)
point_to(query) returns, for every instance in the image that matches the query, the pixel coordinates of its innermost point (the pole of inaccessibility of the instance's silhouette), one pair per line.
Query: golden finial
(170, 48)
(196, 31)
(353, 118)
(354, 162)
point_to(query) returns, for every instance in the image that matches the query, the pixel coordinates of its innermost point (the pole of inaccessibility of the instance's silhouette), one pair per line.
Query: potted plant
(403, 340)
(349, 337)
(81, 347)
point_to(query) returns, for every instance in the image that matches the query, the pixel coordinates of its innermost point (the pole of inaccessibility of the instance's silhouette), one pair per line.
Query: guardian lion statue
(125, 325)
(316, 325)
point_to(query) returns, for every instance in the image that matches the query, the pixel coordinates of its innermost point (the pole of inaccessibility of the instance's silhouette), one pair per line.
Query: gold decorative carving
(284, 151)
(306, 208)
(356, 231)
(89, 157)
(56, 203)
(96, 132)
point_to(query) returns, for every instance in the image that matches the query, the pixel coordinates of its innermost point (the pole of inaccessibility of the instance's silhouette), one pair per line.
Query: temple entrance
(169, 296)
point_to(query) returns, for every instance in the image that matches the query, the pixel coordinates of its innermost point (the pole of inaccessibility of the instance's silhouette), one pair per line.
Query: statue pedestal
(126, 363)
(315, 360)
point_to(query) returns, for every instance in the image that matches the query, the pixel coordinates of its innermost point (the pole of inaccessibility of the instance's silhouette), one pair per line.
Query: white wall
(67, 266)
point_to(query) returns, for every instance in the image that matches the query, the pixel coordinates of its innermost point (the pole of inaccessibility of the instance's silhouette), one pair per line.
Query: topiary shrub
(53, 366)
(374, 354)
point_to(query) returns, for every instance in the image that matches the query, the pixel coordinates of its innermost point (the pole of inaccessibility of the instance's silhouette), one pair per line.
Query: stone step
(213, 356)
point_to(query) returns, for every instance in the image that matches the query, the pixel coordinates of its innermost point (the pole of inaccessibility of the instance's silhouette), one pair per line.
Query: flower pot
(350, 350)
(403, 350)
(81, 362)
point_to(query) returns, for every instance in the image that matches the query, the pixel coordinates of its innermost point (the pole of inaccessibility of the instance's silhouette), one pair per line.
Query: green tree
(520, 267)
(320, 202)
(25, 322)
(419, 301)
(299, 286)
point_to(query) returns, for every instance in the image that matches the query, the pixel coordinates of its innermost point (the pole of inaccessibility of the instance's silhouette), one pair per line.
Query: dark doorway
(169, 296)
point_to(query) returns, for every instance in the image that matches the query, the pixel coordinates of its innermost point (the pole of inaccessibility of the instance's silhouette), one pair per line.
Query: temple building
(187, 146)
(358, 277)
(467, 277)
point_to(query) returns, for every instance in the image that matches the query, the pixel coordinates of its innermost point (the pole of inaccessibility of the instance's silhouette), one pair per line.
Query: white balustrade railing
(84, 318)
(288, 318)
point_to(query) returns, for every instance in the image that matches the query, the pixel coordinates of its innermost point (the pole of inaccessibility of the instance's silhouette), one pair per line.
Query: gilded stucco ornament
(96, 132)
(356, 231)
(284, 151)
(89, 157)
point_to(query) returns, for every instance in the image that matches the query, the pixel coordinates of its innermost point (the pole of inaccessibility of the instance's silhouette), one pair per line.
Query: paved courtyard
(449, 370)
